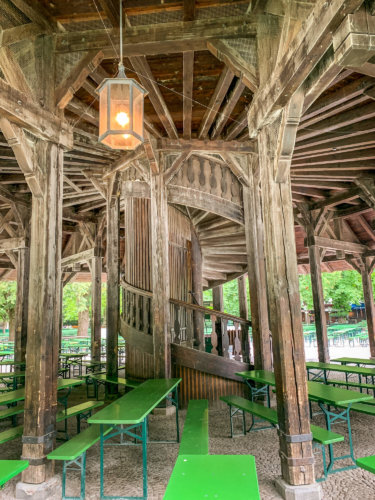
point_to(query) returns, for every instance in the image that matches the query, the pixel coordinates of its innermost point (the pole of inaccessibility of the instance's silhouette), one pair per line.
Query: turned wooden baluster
(237, 342)
(225, 338)
(213, 335)
(176, 325)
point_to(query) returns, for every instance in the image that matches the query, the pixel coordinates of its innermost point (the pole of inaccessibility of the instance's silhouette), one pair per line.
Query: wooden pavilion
(258, 158)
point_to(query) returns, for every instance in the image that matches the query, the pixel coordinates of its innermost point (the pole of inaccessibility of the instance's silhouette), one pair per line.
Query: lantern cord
(194, 101)
(121, 69)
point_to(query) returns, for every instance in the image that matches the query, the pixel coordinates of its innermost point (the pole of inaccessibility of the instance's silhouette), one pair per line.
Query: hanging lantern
(121, 112)
(121, 108)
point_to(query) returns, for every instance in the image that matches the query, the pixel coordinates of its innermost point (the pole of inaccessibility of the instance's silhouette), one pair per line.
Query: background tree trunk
(12, 324)
(83, 323)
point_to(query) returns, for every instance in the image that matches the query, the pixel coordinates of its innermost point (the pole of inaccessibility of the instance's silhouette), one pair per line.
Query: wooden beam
(234, 61)
(189, 10)
(224, 115)
(12, 244)
(21, 110)
(151, 153)
(147, 79)
(175, 167)
(96, 306)
(188, 76)
(157, 39)
(13, 72)
(28, 31)
(213, 107)
(84, 256)
(346, 246)
(238, 126)
(237, 166)
(125, 161)
(337, 199)
(37, 13)
(112, 11)
(308, 46)
(205, 146)
(78, 74)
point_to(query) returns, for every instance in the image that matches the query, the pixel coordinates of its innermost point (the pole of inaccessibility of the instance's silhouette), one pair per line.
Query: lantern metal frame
(131, 83)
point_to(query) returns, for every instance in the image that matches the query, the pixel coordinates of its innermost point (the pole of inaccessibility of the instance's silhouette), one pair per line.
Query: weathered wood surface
(160, 277)
(254, 233)
(113, 285)
(96, 306)
(297, 462)
(43, 320)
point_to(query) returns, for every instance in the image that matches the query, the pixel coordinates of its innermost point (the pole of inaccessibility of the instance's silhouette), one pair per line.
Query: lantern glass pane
(120, 118)
(103, 111)
(118, 141)
(138, 111)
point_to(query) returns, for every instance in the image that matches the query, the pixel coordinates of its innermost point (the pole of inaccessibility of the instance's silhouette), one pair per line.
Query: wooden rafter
(188, 76)
(147, 79)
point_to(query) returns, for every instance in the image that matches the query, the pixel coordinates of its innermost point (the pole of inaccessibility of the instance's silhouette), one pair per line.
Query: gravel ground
(123, 472)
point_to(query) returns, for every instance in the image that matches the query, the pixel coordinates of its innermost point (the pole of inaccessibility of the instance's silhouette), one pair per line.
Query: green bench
(11, 468)
(10, 434)
(348, 384)
(73, 454)
(367, 463)
(321, 437)
(103, 379)
(81, 412)
(197, 474)
(194, 439)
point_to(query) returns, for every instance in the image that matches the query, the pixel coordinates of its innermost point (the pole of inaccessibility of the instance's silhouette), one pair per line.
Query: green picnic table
(129, 414)
(326, 396)
(11, 378)
(19, 394)
(323, 368)
(355, 361)
(102, 378)
(73, 359)
(213, 477)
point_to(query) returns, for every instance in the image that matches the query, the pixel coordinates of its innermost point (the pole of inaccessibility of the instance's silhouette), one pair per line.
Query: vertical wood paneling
(199, 385)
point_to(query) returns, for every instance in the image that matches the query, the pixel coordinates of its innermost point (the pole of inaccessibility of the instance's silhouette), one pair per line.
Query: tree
(77, 304)
(8, 297)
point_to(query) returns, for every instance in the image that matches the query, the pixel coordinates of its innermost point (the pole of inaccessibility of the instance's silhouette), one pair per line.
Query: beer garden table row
(325, 396)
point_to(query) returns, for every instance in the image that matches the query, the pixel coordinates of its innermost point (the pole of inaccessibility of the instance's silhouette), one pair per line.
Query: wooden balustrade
(231, 336)
(226, 339)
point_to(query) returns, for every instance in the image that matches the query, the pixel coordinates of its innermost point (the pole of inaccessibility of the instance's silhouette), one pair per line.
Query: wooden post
(160, 276)
(43, 318)
(22, 304)
(297, 461)
(113, 267)
(254, 232)
(198, 318)
(369, 303)
(244, 313)
(96, 307)
(318, 298)
(218, 305)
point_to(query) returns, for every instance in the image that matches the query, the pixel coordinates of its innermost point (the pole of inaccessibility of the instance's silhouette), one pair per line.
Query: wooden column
(43, 318)
(218, 305)
(244, 313)
(198, 318)
(369, 303)
(96, 307)
(160, 276)
(113, 267)
(254, 232)
(297, 461)
(22, 304)
(318, 298)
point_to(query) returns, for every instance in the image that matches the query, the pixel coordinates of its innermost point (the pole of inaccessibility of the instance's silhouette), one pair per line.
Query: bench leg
(232, 413)
(80, 464)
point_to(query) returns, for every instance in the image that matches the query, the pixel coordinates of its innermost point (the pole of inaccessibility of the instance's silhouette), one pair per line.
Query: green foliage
(8, 296)
(76, 299)
(230, 297)
(342, 288)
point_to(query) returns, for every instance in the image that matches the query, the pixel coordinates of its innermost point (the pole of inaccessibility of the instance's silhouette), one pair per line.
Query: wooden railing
(227, 341)
(136, 308)
(229, 334)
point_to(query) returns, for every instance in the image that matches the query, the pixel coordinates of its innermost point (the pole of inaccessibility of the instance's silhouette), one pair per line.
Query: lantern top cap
(121, 80)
